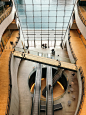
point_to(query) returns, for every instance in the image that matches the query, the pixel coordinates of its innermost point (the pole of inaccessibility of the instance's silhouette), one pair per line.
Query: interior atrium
(42, 57)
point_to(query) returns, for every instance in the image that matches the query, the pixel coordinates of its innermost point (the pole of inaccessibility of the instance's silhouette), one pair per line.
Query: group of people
(44, 45)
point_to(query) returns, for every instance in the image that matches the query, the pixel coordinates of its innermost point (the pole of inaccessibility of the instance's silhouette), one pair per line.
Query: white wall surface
(7, 21)
(79, 23)
(14, 106)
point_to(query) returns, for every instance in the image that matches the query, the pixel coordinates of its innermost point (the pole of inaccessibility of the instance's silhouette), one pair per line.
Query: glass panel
(53, 7)
(67, 13)
(52, 13)
(44, 25)
(22, 19)
(21, 8)
(45, 1)
(66, 19)
(30, 25)
(37, 13)
(52, 25)
(37, 7)
(44, 13)
(37, 25)
(21, 14)
(65, 25)
(69, 7)
(30, 19)
(29, 7)
(52, 19)
(60, 13)
(23, 25)
(29, 14)
(60, 7)
(59, 19)
(26, 2)
(37, 19)
(44, 19)
(36, 1)
(45, 7)
(59, 24)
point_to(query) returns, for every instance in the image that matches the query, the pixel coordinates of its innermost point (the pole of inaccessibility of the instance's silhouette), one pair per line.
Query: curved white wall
(79, 23)
(80, 91)
(14, 105)
(7, 21)
(69, 52)
(67, 32)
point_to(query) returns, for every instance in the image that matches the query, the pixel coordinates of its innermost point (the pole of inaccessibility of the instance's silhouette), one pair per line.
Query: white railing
(5, 23)
(79, 22)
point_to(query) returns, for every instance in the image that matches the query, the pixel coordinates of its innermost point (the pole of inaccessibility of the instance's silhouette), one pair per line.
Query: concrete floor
(25, 101)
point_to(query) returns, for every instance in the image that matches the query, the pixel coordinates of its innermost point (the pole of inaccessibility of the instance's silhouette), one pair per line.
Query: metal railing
(81, 15)
(5, 14)
(43, 54)
(74, 56)
(57, 98)
(49, 89)
(83, 90)
(10, 85)
(36, 99)
(9, 88)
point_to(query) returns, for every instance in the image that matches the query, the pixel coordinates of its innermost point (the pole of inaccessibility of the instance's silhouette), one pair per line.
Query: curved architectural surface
(69, 52)
(4, 74)
(73, 101)
(79, 22)
(80, 52)
(7, 21)
(25, 98)
(14, 105)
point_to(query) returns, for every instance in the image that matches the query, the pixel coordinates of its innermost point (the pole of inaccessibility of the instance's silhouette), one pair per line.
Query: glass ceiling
(44, 19)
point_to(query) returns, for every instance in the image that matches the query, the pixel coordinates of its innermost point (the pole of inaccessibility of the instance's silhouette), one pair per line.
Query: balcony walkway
(4, 73)
(46, 61)
(80, 52)
(83, 12)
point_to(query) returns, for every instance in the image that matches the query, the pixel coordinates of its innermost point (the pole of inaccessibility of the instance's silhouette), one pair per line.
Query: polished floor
(4, 73)
(57, 90)
(80, 52)
(23, 74)
(77, 46)
(24, 92)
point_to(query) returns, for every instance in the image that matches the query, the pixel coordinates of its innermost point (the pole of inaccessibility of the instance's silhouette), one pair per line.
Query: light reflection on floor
(57, 90)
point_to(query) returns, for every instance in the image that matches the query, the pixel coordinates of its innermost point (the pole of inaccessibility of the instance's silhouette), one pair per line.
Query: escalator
(36, 97)
(49, 89)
